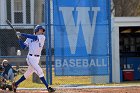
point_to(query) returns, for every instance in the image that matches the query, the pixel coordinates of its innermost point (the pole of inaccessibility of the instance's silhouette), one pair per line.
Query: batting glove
(18, 34)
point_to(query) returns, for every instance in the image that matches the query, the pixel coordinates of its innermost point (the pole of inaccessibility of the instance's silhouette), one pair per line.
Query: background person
(9, 72)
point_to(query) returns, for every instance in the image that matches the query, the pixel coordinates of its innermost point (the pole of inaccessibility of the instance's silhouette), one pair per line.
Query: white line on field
(77, 87)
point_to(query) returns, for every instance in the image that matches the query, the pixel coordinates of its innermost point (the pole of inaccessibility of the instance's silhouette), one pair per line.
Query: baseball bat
(8, 22)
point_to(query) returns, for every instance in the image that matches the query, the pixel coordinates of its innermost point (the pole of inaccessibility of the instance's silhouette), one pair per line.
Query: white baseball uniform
(33, 57)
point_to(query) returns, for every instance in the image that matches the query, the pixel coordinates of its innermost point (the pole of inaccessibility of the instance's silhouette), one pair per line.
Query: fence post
(50, 48)
(47, 26)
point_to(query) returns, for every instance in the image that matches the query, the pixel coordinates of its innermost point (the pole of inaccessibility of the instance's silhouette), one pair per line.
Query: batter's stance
(35, 43)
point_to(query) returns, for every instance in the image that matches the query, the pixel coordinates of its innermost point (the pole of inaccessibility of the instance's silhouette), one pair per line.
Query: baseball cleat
(50, 90)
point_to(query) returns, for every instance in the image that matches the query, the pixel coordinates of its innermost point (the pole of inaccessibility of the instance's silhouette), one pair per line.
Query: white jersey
(35, 47)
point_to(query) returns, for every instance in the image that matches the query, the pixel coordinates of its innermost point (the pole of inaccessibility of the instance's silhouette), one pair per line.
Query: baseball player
(35, 44)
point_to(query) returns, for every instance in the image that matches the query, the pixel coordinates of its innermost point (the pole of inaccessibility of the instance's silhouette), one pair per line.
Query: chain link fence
(24, 16)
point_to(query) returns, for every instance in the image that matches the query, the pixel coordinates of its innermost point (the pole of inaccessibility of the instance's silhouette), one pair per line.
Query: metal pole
(50, 51)
(46, 34)
(110, 44)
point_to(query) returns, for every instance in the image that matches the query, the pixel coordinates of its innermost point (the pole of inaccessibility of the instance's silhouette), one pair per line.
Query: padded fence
(82, 40)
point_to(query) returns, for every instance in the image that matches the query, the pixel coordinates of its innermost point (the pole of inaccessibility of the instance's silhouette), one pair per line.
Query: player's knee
(26, 75)
(41, 74)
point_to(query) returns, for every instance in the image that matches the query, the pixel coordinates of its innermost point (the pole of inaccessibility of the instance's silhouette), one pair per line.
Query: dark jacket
(7, 68)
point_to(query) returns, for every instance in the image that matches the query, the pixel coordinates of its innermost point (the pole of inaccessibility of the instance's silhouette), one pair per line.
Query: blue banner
(81, 37)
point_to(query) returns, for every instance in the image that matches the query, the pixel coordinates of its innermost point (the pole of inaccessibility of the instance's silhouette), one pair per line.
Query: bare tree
(38, 11)
(126, 7)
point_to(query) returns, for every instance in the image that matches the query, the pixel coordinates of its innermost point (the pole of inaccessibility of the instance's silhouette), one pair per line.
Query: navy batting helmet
(38, 27)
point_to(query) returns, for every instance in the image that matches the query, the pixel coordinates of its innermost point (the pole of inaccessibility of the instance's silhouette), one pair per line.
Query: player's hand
(18, 34)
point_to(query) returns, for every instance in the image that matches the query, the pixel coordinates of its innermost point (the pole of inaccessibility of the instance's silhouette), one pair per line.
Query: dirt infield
(84, 90)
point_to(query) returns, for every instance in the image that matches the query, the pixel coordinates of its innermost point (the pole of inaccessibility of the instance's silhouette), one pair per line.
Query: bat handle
(18, 37)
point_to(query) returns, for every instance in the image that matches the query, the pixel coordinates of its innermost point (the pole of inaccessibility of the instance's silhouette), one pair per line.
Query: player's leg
(24, 77)
(39, 72)
(29, 71)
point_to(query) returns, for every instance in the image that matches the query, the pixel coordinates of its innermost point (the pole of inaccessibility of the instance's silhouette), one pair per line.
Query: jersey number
(39, 44)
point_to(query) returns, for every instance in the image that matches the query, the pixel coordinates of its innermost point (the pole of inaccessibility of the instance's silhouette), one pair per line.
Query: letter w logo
(83, 19)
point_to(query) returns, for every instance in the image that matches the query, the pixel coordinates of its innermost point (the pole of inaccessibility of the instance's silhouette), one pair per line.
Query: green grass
(57, 80)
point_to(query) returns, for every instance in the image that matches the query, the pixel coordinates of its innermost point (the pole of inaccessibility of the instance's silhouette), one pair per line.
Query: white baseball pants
(33, 66)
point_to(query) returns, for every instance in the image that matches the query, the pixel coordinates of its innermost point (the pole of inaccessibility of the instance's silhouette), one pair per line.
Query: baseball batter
(35, 44)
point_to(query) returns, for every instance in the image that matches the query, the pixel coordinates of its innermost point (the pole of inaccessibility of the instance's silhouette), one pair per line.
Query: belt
(34, 55)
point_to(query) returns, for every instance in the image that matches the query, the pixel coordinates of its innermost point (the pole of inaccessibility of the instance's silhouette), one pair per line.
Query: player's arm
(22, 44)
(34, 37)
